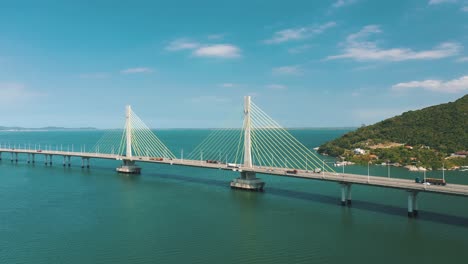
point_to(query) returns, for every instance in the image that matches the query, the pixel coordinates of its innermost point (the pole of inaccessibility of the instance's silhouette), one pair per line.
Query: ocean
(170, 214)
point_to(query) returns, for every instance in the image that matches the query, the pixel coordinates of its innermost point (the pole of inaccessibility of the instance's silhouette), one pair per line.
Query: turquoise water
(170, 214)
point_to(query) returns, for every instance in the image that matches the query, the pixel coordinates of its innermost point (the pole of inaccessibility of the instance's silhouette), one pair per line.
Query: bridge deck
(410, 185)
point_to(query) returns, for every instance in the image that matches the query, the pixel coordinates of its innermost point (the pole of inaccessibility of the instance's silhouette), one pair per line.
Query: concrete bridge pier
(248, 181)
(0, 155)
(345, 194)
(69, 162)
(29, 158)
(64, 161)
(129, 167)
(14, 156)
(412, 203)
(33, 159)
(84, 162)
(50, 160)
(45, 159)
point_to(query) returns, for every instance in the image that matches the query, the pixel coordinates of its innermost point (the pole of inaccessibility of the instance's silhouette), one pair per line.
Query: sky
(188, 64)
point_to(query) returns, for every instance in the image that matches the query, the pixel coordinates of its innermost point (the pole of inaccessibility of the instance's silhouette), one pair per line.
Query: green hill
(439, 130)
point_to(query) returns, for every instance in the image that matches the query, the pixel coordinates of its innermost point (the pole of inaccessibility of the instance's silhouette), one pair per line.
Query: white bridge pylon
(135, 140)
(260, 142)
(139, 140)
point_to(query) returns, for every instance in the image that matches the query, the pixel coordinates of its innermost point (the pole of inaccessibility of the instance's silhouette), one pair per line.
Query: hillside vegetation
(427, 136)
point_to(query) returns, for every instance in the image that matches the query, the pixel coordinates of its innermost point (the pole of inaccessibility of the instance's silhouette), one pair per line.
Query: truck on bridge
(433, 181)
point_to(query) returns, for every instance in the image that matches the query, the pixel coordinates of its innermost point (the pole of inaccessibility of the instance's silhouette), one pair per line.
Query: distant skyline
(188, 64)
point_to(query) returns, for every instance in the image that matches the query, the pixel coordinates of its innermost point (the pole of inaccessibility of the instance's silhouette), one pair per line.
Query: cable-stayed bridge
(260, 146)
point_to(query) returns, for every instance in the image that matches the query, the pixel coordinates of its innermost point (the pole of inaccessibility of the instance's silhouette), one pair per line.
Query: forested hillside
(441, 128)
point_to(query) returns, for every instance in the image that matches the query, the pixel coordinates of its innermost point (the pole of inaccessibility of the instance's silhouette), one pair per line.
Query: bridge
(261, 146)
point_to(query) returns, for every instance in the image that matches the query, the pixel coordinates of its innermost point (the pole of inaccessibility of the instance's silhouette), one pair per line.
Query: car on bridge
(233, 165)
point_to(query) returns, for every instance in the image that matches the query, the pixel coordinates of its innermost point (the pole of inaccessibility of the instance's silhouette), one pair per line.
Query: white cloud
(299, 49)
(341, 3)
(137, 70)
(462, 59)
(227, 51)
(276, 87)
(357, 47)
(206, 50)
(452, 86)
(364, 68)
(298, 33)
(12, 93)
(11, 89)
(228, 85)
(182, 44)
(231, 85)
(464, 9)
(436, 2)
(287, 70)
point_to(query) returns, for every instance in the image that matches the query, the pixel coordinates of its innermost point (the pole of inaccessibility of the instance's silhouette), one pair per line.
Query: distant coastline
(287, 128)
(50, 128)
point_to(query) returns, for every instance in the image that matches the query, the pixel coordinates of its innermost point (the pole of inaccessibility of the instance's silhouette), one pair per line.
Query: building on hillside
(359, 151)
(459, 154)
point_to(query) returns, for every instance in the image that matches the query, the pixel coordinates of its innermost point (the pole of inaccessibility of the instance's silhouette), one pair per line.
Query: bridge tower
(128, 165)
(247, 179)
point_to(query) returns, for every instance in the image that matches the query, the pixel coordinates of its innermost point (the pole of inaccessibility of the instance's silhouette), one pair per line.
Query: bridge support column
(29, 158)
(16, 157)
(69, 162)
(348, 198)
(33, 159)
(64, 161)
(415, 205)
(0, 155)
(50, 160)
(11, 157)
(412, 203)
(345, 194)
(87, 163)
(129, 167)
(82, 163)
(45, 159)
(248, 181)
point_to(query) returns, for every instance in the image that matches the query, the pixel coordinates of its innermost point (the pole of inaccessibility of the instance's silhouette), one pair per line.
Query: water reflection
(246, 196)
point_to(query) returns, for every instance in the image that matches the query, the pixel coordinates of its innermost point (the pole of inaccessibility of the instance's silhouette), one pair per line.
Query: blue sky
(329, 63)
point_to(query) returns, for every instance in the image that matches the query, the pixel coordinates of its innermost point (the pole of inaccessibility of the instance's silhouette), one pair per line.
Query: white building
(359, 151)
